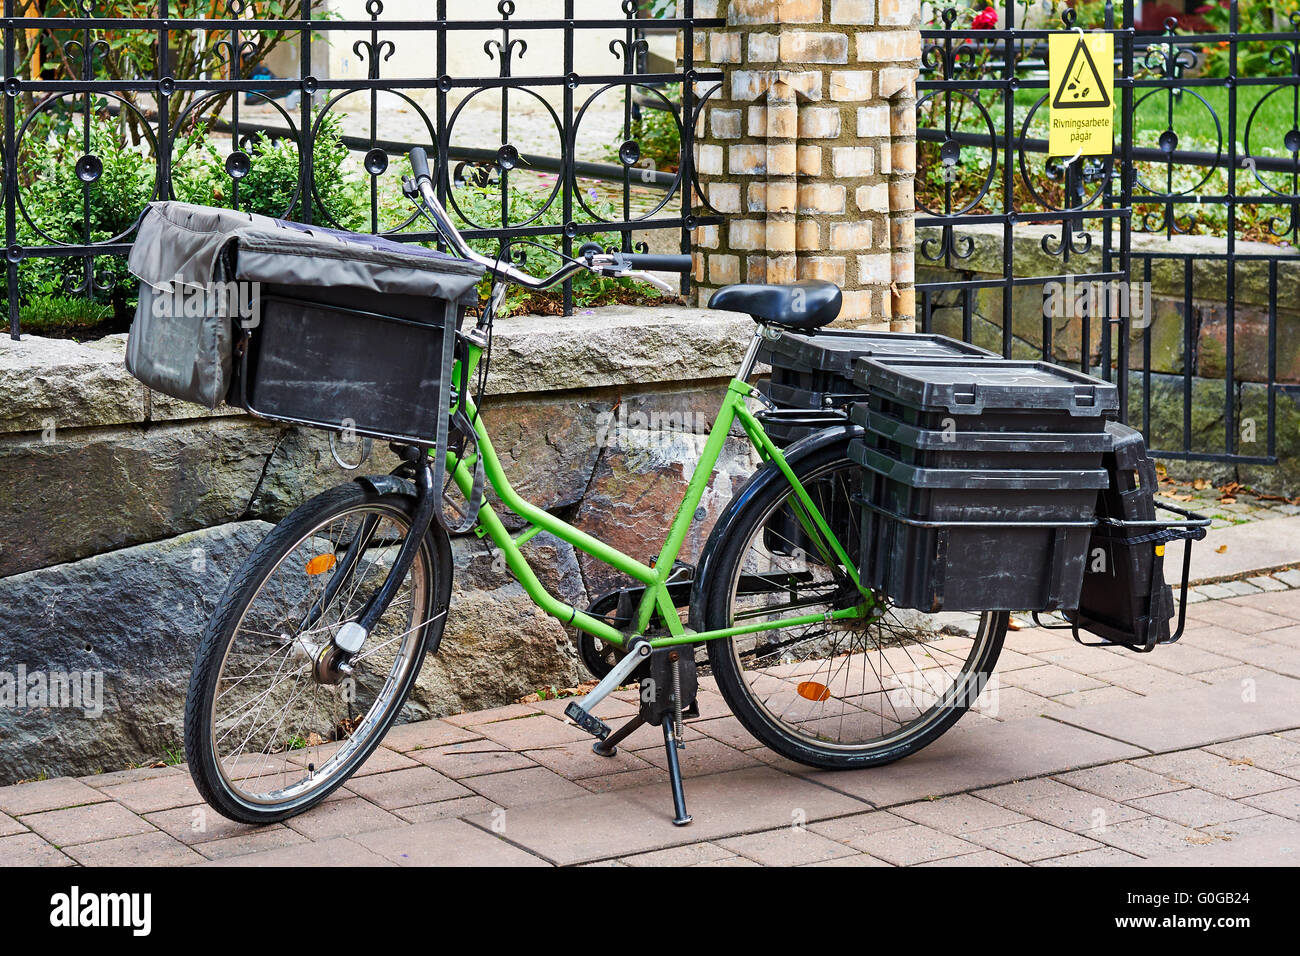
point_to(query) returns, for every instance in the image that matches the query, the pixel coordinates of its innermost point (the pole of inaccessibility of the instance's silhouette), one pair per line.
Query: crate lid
(836, 350)
(958, 439)
(970, 386)
(977, 479)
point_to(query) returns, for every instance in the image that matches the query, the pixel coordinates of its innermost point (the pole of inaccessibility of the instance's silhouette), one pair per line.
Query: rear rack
(1191, 528)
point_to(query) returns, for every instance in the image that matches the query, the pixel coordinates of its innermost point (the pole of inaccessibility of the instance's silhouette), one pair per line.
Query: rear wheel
(272, 724)
(834, 693)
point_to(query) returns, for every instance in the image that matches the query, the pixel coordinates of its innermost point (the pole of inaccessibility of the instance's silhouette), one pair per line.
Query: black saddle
(799, 305)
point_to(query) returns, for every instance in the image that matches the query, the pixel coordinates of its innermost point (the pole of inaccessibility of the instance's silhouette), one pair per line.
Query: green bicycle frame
(655, 575)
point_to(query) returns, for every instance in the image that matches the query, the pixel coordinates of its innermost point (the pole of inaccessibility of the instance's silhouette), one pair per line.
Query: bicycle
(316, 643)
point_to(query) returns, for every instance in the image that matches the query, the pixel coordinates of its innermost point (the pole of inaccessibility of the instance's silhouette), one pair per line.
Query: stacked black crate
(812, 375)
(980, 480)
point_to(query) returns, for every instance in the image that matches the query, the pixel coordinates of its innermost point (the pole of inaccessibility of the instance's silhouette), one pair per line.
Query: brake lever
(649, 279)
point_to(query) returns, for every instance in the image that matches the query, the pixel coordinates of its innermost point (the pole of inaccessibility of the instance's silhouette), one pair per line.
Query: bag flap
(182, 239)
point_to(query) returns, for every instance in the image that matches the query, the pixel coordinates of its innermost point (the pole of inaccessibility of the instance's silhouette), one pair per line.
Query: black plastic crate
(954, 448)
(324, 357)
(836, 352)
(981, 395)
(794, 396)
(974, 539)
(1125, 598)
(977, 494)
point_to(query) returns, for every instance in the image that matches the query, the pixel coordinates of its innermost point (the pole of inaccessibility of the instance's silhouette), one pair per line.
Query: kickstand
(680, 816)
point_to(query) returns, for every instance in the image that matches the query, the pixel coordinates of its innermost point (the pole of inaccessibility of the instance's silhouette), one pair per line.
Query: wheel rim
(859, 685)
(281, 730)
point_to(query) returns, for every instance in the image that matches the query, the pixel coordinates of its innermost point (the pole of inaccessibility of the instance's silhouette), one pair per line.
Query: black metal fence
(1207, 156)
(156, 72)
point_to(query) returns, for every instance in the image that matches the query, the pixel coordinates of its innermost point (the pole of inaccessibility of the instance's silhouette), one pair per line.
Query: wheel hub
(331, 665)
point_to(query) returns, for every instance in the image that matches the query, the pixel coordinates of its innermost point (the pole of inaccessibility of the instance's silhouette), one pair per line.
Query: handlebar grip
(419, 163)
(657, 263)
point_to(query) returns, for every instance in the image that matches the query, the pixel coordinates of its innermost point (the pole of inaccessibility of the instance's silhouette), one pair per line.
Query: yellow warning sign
(1081, 94)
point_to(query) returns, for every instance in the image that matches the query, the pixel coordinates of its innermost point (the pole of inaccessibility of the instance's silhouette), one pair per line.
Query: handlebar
(613, 264)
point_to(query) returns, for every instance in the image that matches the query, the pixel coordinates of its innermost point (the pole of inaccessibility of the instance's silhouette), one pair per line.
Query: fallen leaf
(1241, 762)
(1013, 625)
(1227, 501)
(1200, 484)
(1221, 549)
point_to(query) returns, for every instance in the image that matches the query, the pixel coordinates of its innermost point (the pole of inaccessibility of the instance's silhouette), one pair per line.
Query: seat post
(751, 354)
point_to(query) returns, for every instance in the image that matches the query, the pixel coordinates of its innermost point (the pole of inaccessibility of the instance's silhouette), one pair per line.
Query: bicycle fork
(352, 635)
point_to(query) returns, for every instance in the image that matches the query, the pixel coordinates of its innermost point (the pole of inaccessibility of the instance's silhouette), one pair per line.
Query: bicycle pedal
(588, 722)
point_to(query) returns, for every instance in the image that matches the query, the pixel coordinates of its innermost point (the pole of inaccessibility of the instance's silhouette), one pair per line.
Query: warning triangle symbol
(1081, 86)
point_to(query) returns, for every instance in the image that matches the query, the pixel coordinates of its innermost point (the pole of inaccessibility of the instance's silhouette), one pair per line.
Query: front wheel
(273, 723)
(834, 693)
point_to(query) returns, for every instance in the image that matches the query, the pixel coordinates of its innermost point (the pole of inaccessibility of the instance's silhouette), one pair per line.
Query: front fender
(756, 483)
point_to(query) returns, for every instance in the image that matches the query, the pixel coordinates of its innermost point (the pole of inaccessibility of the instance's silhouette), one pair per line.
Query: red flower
(986, 19)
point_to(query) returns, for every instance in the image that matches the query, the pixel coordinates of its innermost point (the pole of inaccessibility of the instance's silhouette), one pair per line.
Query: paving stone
(1266, 751)
(1194, 807)
(1104, 856)
(522, 788)
(1062, 806)
(28, 849)
(1090, 698)
(609, 709)
(1031, 841)
(1219, 640)
(1120, 781)
(1244, 614)
(727, 730)
(342, 817)
(426, 733)
(702, 757)
(1247, 851)
(1195, 596)
(1214, 592)
(1193, 718)
(1031, 639)
(445, 843)
(1148, 680)
(730, 861)
(52, 794)
(10, 826)
(161, 793)
(913, 844)
(787, 846)
(257, 841)
(1080, 659)
(1242, 587)
(406, 788)
(1051, 680)
(982, 756)
(857, 859)
(625, 780)
(494, 715)
(98, 821)
(1290, 578)
(199, 824)
(471, 759)
(1151, 836)
(1225, 675)
(459, 807)
(1266, 583)
(133, 775)
(1277, 658)
(145, 849)
(852, 830)
(958, 814)
(1184, 659)
(1289, 636)
(982, 858)
(1216, 774)
(1284, 803)
(577, 761)
(596, 826)
(335, 852)
(1016, 703)
(1281, 603)
(1266, 825)
(531, 732)
(689, 855)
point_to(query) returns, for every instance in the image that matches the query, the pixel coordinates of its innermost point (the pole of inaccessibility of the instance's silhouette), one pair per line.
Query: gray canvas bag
(187, 352)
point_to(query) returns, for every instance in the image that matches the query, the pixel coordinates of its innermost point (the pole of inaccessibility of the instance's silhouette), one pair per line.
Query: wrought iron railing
(156, 95)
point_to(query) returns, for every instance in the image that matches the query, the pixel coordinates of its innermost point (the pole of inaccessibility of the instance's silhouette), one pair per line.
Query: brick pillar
(808, 150)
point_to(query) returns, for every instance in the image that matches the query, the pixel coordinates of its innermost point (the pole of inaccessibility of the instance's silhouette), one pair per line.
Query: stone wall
(127, 512)
(1168, 317)
(808, 149)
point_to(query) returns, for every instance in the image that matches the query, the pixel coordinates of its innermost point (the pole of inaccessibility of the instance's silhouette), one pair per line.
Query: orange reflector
(320, 564)
(812, 690)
